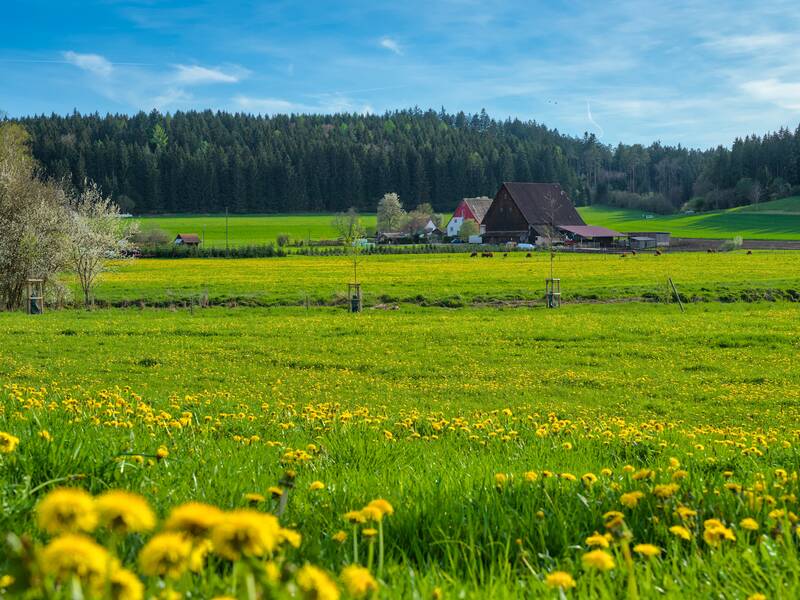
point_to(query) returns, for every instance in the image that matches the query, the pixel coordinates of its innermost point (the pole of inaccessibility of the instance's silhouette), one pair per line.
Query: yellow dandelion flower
(530, 476)
(648, 550)
(245, 533)
(316, 584)
(8, 443)
(290, 536)
(369, 532)
(757, 596)
(66, 510)
(566, 446)
(125, 585)
(568, 476)
(45, 435)
(162, 452)
(275, 491)
(340, 536)
(559, 579)
(316, 486)
(358, 581)
(6, 581)
(124, 512)
(194, 519)
(500, 479)
(749, 524)
(681, 532)
(166, 555)
(665, 490)
(76, 556)
(197, 559)
(598, 559)
(372, 513)
(686, 513)
(254, 498)
(382, 505)
(631, 499)
(355, 517)
(597, 541)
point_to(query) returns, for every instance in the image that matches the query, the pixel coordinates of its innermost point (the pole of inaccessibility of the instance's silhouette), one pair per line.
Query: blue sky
(694, 73)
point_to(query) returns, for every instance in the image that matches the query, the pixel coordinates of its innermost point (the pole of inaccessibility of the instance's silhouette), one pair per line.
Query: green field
(765, 224)
(246, 230)
(452, 279)
(500, 437)
(776, 220)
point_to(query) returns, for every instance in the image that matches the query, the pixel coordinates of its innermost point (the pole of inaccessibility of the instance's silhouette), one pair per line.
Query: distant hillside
(723, 224)
(784, 206)
(203, 162)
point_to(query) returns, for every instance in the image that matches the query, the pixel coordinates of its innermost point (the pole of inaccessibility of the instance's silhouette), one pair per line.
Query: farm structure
(640, 242)
(591, 235)
(187, 239)
(661, 238)
(469, 208)
(527, 212)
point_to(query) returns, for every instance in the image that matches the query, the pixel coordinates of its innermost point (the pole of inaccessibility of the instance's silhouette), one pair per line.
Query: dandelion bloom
(124, 512)
(66, 510)
(254, 498)
(749, 524)
(568, 476)
(369, 532)
(76, 556)
(125, 585)
(245, 533)
(382, 505)
(355, 517)
(648, 550)
(500, 479)
(340, 536)
(197, 559)
(162, 452)
(316, 486)
(560, 579)
(665, 490)
(681, 532)
(589, 479)
(598, 559)
(166, 555)
(686, 513)
(194, 519)
(597, 541)
(290, 536)
(316, 584)
(757, 596)
(372, 513)
(358, 581)
(8, 443)
(715, 532)
(530, 476)
(631, 499)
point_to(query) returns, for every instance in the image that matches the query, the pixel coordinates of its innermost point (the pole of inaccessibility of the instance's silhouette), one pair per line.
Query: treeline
(208, 161)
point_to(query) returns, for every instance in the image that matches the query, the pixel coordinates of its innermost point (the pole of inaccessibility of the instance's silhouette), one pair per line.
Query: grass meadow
(776, 220)
(452, 279)
(627, 450)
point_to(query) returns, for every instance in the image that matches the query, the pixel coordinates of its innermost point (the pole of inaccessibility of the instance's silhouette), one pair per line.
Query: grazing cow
(711, 251)
(633, 252)
(528, 255)
(623, 255)
(473, 255)
(487, 254)
(505, 254)
(749, 251)
(658, 252)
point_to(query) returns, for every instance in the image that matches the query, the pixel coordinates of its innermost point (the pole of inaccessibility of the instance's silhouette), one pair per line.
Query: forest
(207, 162)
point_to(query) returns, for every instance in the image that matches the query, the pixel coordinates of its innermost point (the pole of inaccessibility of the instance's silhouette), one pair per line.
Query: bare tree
(350, 230)
(97, 235)
(33, 221)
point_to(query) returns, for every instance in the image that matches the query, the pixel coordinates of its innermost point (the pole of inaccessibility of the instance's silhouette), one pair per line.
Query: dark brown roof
(479, 206)
(536, 201)
(591, 231)
(189, 238)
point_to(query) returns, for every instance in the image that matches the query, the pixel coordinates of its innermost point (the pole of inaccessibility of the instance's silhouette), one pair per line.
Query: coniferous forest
(209, 161)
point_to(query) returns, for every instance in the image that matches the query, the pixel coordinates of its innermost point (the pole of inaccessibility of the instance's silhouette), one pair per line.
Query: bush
(656, 203)
(182, 251)
(283, 240)
(733, 244)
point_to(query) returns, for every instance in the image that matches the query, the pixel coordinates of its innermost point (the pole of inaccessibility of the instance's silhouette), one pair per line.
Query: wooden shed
(187, 239)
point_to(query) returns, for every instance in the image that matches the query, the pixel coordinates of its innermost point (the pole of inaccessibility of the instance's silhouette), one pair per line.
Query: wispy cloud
(198, 75)
(94, 63)
(269, 105)
(391, 44)
(781, 93)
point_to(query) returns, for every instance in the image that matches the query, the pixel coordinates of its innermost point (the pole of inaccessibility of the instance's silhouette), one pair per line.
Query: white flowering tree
(97, 234)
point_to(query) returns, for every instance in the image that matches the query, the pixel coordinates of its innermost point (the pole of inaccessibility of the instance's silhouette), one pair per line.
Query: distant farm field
(453, 279)
(246, 230)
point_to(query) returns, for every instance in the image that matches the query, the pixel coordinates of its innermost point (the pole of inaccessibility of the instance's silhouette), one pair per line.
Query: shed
(640, 242)
(187, 239)
(662, 238)
(593, 234)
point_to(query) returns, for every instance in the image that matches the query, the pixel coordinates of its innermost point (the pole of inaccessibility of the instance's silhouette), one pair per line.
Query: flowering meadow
(453, 280)
(597, 451)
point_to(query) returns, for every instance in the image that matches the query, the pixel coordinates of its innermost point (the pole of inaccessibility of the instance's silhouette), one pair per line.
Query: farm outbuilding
(469, 208)
(662, 238)
(641, 242)
(591, 235)
(523, 212)
(187, 239)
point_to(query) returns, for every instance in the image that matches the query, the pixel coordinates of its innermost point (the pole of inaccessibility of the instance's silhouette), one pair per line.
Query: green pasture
(246, 230)
(424, 407)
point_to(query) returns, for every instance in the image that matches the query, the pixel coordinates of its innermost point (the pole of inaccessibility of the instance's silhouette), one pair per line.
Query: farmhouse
(469, 208)
(187, 239)
(523, 212)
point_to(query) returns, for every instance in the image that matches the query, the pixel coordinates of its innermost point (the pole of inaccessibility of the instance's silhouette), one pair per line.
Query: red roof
(188, 238)
(590, 231)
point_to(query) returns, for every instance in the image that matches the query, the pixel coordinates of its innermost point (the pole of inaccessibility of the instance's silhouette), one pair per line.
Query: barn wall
(504, 215)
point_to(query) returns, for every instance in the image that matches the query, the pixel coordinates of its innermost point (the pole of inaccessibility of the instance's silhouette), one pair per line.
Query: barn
(469, 208)
(523, 212)
(187, 239)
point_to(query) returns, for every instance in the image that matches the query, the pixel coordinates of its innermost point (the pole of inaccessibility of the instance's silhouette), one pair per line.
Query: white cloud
(269, 105)
(197, 75)
(744, 44)
(391, 45)
(94, 63)
(782, 93)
